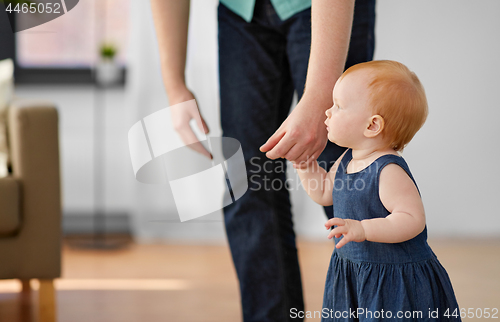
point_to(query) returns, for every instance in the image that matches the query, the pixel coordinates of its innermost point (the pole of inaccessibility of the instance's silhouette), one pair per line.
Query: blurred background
(452, 46)
(448, 46)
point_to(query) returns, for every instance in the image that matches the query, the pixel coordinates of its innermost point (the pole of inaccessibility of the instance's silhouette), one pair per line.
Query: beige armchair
(30, 202)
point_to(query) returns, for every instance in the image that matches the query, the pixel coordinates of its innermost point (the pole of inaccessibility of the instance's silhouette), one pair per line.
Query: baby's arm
(318, 183)
(400, 197)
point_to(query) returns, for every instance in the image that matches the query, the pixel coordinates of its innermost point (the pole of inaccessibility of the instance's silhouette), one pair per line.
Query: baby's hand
(352, 230)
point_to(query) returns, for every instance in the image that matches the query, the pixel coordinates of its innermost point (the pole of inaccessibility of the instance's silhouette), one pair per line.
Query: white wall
(453, 47)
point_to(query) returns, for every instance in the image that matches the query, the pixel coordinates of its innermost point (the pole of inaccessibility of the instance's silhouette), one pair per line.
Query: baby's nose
(327, 112)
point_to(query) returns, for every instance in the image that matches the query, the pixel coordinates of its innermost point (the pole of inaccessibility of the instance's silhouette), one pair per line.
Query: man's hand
(352, 230)
(171, 19)
(302, 136)
(182, 115)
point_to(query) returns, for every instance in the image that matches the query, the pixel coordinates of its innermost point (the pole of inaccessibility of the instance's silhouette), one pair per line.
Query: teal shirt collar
(284, 8)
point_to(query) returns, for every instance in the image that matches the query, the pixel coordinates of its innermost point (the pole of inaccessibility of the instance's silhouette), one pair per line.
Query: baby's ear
(375, 126)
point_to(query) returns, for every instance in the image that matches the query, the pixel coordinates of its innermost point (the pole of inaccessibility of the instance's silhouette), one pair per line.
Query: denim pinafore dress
(370, 281)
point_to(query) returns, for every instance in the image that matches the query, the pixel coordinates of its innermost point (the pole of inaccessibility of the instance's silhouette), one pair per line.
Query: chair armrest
(34, 145)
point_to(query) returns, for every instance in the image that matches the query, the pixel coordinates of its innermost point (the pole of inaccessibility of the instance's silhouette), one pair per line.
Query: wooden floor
(158, 282)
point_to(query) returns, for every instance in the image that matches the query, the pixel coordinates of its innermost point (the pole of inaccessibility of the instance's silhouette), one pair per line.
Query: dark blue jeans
(261, 64)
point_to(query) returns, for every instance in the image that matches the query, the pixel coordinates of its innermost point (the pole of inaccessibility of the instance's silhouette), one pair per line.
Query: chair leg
(47, 301)
(26, 288)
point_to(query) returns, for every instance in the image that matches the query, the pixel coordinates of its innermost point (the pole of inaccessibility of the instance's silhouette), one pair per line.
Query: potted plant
(107, 71)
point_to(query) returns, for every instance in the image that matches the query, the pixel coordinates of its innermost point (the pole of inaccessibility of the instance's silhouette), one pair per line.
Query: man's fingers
(195, 114)
(280, 149)
(198, 147)
(304, 161)
(191, 140)
(308, 156)
(272, 141)
(313, 155)
(200, 122)
(296, 154)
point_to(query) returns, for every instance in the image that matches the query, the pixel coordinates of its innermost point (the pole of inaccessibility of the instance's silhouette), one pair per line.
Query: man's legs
(260, 64)
(256, 93)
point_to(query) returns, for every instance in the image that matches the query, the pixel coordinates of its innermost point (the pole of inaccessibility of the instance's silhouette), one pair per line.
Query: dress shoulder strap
(345, 161)
(391, 158)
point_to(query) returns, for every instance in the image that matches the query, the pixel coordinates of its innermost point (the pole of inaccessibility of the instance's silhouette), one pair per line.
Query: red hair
(397, 95)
